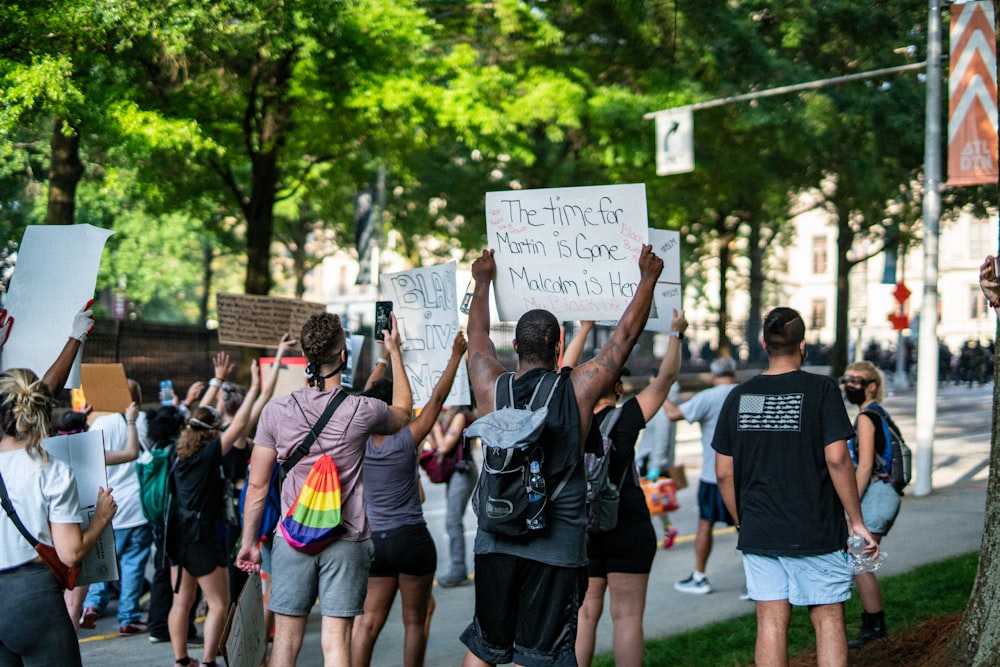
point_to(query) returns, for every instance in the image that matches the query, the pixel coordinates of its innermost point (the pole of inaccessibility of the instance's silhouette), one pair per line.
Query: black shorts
(526, 611)
(202, 555)
(404, 550)
(629, 548)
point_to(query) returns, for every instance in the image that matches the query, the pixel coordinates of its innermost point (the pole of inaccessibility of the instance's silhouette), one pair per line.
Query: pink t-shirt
(282, 427)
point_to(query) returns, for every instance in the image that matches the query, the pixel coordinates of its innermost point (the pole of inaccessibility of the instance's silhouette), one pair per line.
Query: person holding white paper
(42, 493)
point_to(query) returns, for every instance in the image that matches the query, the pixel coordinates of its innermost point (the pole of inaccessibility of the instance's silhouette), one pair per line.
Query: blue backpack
(895, 463)
(272, 504)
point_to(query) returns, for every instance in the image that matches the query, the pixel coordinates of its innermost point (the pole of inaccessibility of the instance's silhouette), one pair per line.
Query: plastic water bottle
(860, 562)
(536, 497)
(467, 301)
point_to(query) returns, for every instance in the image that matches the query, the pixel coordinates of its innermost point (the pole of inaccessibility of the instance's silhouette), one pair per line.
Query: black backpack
(602, 493)
(509, 437)
(895, 463)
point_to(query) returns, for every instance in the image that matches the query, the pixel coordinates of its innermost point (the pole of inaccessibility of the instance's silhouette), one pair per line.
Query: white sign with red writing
(571, 251)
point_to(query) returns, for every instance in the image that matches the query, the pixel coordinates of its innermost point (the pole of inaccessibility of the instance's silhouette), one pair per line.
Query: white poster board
(355, 343)
(55, 276)
(425, 303)
(244, 640)
(84, 453)
(668, 294)
(571, 251)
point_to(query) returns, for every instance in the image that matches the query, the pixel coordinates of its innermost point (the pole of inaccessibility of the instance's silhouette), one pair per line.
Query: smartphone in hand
(383, 318)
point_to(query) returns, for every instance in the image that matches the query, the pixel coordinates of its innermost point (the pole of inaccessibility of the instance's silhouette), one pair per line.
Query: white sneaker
(689, 585)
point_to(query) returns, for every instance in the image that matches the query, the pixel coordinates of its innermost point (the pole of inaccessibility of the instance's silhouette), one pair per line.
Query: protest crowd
(311, 495)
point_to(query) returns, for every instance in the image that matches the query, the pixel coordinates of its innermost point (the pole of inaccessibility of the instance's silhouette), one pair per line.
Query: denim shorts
(711, 506)
(337, 575)
(802, 580)
(879, 506)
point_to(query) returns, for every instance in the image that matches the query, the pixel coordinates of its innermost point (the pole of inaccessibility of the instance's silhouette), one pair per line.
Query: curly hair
(25, 409)
(784, 330)
(322, 338)
(204, 420)
(537, 337)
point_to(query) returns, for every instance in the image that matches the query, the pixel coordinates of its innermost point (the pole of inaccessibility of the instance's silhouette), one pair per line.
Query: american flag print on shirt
(770, 412)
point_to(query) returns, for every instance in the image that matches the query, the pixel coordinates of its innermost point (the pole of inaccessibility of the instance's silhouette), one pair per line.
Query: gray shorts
(804, 581)
(337, 575)
(880, 506)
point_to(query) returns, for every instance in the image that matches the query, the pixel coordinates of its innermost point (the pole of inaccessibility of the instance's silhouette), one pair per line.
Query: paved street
(945, 523)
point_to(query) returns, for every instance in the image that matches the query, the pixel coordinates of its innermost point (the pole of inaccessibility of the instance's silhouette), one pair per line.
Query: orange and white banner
(972, 96)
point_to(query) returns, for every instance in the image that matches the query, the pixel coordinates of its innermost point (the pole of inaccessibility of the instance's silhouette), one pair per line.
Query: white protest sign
(425, 303)
(55, 276)
(667, 295)
(84, 454)
(571, 251)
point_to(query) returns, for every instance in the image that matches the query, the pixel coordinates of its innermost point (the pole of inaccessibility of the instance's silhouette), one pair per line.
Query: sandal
(186, 661)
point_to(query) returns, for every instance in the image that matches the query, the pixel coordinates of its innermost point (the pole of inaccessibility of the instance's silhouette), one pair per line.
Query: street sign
(902, 293)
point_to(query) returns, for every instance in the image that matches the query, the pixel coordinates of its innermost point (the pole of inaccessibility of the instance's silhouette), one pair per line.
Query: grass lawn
(932, 589)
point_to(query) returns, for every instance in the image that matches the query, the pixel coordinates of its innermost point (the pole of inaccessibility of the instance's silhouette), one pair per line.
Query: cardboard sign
(54, 278)
(291, 376)
(244, 639)
(84, 454)
(425, 302)
(105, 387)
(571, 251)
(667, 296)
(260, 321)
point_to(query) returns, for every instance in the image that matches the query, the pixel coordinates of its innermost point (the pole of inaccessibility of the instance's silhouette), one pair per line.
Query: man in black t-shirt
(786, 475)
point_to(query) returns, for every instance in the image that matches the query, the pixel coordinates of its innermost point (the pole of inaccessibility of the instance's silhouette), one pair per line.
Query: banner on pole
(674, 141)
(972, 96)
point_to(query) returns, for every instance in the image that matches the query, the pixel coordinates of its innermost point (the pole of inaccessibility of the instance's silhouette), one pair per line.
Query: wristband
(679, 335)
(130, 423)
(214, 382)
(382, 360)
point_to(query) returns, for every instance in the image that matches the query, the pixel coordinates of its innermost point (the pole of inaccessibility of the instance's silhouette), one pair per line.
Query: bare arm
(258, 482)
(653, 396)
(593, 378)
(727, 485)
(381, 366)
(484, 366)
(445, 440)
(223, 367)
(267, 391)
(574, 351)
(236, 434)
(131, 451)
(865, 444)
(427, 418)
(71, 543)
(402, 395)
(838, 462)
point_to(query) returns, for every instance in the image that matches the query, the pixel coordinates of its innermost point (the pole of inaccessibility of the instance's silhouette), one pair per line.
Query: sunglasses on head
(854, 379)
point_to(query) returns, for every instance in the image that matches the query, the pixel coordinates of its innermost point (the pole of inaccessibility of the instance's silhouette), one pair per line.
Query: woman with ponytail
(42, 492)
(197, 532)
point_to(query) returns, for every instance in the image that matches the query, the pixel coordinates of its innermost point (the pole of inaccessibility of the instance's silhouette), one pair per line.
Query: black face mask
(855, 395)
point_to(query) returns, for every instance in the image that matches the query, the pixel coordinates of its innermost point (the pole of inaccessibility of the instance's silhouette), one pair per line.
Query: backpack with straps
(509, 437)
(154, 468)
(602, 493)
(895, 463)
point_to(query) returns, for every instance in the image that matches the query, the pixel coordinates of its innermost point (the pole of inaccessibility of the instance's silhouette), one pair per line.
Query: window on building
(817, 314)
(819, 255)
(980, 241)
(977, 303)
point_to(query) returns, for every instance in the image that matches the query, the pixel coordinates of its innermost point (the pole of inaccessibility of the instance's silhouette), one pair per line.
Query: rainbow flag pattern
(314, 520)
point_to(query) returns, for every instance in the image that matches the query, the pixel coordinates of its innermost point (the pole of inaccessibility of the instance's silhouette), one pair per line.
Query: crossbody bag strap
(8, 507)
(314, 430)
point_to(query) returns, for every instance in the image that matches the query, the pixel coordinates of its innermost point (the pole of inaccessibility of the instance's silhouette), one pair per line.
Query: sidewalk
(946, 523)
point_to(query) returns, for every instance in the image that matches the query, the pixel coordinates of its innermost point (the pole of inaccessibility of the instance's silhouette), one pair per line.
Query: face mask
(855, 395)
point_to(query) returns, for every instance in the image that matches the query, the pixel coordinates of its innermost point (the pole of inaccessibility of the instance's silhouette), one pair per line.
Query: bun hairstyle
(25, 409)
(204, 420)
(784, 330)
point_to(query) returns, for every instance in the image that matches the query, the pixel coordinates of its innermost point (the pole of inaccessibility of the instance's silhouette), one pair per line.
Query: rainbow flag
(314, 520)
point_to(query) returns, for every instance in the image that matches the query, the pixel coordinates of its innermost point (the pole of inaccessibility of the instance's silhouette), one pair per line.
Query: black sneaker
(451, 581)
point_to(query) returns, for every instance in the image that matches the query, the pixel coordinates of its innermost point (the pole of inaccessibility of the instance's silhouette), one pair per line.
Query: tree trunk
(260, 223)
(755, 351)
(207, 254)
(65, 173)
(845, 239)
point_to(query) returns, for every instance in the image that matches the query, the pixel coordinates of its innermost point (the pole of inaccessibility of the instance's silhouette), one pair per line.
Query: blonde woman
(862, 383)
(34, 625)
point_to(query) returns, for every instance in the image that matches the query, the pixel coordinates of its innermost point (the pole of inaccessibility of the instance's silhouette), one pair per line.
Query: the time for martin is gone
(572, 251)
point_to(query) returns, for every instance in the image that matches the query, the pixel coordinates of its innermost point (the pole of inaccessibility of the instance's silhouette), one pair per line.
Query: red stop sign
(902, 293)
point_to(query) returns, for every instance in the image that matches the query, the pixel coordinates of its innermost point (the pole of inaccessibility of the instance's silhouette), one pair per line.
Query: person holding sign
(405, 557)
(529, 591)
(41, 492)
(338, 573)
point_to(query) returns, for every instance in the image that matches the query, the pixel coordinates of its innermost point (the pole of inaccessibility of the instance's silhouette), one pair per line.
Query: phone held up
(166, 392)
(383, 319)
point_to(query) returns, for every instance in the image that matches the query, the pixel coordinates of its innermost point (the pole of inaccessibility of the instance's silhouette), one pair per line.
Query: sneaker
(89, 618)
(451, 581)
(153, 639)
(133, 628)
(669, 537)
(689, 585)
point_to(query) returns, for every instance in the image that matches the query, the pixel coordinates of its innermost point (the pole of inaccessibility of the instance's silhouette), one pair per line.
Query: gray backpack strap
(550, 379)
(506, 389)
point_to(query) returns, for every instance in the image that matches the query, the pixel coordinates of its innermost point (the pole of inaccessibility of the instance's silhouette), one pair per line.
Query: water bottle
(536, 497)
(467, 301)
(859, 561)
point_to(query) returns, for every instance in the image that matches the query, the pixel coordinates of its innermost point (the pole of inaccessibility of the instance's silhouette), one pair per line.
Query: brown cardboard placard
(105, 387)
(260, 321)
(291, 376)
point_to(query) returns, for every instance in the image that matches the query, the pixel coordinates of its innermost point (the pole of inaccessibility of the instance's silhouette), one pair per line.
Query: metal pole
(927, 368)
